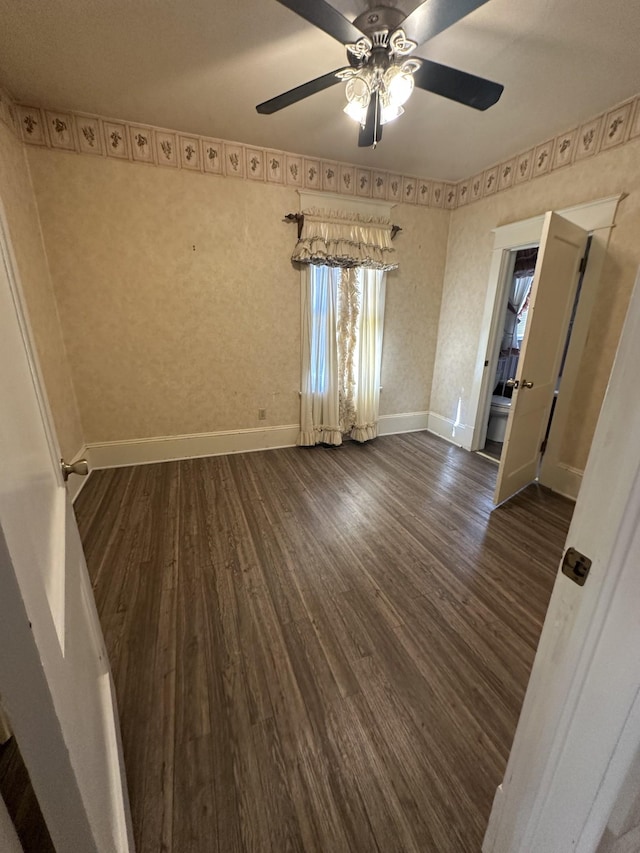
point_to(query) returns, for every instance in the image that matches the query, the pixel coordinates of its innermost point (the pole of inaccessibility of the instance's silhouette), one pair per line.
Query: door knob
(526, 384)
(512, 383)
(80, 467)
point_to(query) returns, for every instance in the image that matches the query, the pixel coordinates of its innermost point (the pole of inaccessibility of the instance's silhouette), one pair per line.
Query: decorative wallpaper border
(610, 129)
(8, 113)
(104, 137)
(99, 136)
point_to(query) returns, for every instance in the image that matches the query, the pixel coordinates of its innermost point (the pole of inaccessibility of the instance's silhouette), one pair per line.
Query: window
(343, 310)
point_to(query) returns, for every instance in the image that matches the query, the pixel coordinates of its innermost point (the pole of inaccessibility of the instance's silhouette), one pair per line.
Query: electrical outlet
(262, 414)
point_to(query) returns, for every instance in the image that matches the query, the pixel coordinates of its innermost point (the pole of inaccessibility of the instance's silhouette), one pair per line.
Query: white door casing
(579, 730)
(551, 302)
(55, 679)
(598, 219)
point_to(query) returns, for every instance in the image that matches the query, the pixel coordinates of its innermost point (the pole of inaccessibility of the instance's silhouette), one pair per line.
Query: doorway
(513, 309)
(596, 218)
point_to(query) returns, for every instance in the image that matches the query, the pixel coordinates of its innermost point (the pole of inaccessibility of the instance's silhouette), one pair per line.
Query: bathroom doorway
(509, 346)
(554, 470)
(514, 311)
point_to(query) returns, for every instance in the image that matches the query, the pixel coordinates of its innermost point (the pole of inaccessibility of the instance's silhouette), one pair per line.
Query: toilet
(500, 407)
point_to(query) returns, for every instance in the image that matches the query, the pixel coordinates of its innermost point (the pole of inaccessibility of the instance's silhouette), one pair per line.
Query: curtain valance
(341, 239)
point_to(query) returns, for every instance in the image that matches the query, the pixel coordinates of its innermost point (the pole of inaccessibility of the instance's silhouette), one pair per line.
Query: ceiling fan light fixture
(389, 113)
(356, 112)
(358, 91)
(398, 85)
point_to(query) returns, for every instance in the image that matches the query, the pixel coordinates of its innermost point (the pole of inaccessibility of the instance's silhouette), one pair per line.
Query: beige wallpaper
(467, 270)
(181, 309)
(22, 216)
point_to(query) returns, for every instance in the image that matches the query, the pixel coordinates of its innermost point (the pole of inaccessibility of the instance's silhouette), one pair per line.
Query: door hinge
(576, 566)
(583, 264)
(543, 446)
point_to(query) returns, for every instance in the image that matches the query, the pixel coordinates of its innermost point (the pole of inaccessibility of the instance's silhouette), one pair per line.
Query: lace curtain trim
(349, 310)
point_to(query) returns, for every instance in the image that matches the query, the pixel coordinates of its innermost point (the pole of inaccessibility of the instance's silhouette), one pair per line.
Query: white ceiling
(201, 66)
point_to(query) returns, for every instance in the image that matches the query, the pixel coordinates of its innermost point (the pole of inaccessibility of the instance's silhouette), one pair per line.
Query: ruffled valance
(341, 239)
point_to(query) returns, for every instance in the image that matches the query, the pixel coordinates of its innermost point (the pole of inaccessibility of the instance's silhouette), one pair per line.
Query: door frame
(505, 278)
(578, 736)
(598, 219)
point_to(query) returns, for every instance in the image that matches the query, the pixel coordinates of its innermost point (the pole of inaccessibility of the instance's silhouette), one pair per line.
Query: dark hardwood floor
(22, 805)
(318, 650)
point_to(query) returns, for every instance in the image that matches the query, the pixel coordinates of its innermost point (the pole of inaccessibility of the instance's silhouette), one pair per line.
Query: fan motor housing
(377, 23)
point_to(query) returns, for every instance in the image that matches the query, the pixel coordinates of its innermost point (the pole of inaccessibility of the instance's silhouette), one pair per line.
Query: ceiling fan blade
(299, 93)
(371, 132)
(457, 85)
(434, 16)
(326, 18)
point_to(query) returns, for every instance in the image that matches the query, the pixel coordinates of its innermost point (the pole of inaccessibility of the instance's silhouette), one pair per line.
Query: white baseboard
(459, 434)
(142, 451)
(564, 480)
(405, 422)
(76, 483)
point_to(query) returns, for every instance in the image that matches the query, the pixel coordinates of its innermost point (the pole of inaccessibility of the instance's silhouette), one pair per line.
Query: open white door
(552, 295)
(578, 735)
(55, 679)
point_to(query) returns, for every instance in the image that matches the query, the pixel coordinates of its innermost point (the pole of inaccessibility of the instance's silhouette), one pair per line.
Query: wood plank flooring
(318, 650)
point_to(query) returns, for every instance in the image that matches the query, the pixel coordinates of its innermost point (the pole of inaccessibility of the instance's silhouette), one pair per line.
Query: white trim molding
(168, 448)
(564, 480)
(405, 422)
(456, 433)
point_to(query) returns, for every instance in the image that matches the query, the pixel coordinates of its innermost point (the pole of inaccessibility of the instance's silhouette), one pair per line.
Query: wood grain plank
(318, 650)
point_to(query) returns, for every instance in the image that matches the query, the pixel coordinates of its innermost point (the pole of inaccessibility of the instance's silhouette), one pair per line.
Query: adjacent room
(302, 372)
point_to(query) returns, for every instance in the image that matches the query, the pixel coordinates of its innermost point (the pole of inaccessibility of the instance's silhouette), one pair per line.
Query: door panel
(552, 294)
(54, 673)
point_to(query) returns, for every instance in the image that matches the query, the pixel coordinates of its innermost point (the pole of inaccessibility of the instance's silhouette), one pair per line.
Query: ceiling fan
(381, 75)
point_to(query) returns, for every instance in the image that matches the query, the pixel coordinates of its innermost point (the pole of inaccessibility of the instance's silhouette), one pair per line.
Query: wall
(165, 339)
(466, 278)
(18, 199)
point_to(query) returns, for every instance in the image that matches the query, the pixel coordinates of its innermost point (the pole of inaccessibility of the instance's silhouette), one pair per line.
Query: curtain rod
(299, 218)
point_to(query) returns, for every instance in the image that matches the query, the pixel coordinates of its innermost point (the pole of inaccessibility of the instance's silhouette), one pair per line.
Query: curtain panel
(369, 356)
(344, 239)
(343, 312)
(320, 392)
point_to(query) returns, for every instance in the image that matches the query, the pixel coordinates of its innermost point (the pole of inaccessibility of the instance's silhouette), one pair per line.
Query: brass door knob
(512, 383)
(80, 467)
(526, 384)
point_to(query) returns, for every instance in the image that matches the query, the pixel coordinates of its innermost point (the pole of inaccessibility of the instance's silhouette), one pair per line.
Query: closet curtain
(345, 261)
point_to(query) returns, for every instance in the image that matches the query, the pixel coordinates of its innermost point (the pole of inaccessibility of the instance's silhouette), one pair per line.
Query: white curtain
(320, 400)
(369, 358)
(345, 257)
(348, 322)
(520, 291)
(343, 312)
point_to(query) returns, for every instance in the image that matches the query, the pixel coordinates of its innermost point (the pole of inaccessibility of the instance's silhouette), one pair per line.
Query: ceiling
(201, 66)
